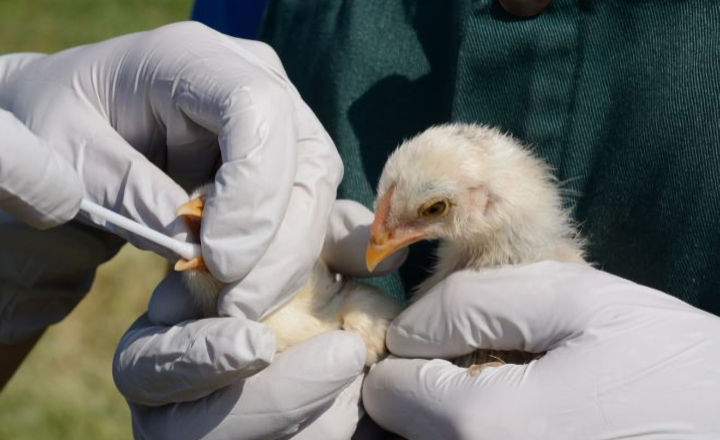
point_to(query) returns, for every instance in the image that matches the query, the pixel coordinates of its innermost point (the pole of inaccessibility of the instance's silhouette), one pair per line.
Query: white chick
(487, 199)
(325, 302)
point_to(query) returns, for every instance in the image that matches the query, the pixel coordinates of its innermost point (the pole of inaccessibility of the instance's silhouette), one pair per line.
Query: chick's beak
(384, 242)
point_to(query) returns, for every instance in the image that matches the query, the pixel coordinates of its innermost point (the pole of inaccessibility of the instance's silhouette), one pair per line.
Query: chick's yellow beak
(377, 250)
(384, 243)
(384, 240)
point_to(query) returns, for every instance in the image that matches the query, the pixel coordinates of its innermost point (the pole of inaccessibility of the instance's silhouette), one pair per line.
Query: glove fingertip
(350, 350)
(171, 302)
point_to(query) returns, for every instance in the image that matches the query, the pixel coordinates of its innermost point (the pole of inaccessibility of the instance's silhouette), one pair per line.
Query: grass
(52, 25)
(64, 390)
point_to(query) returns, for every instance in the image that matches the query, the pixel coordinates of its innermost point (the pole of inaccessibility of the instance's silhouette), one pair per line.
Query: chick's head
(461, 183)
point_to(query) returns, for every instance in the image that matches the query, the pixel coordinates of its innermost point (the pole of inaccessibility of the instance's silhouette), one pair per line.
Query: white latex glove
(623, 361)
(215, 365)
(143, 117)
(36, 185)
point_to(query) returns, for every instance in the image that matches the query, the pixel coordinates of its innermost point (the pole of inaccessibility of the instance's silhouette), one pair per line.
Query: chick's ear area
(481, 199)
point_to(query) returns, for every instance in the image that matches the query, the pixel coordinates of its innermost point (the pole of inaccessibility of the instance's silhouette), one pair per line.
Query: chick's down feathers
(325, 302)
(486, 198)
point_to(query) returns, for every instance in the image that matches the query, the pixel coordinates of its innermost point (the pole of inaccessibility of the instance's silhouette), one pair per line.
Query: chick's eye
(434, 209)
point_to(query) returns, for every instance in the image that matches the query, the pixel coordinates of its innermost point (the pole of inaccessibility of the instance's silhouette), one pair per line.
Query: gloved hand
(144, 117)
(40, 281)
(209, 378)
(623, 360)
(36, 185)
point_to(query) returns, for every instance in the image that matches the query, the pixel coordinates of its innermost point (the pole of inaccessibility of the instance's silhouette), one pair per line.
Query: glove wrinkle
(302, 382)
(157, 365)
(37, 186)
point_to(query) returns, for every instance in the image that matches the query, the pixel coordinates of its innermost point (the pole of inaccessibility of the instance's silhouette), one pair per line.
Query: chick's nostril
(379, 237)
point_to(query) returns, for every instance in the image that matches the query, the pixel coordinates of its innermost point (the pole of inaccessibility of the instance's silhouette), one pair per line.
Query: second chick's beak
(385, 241)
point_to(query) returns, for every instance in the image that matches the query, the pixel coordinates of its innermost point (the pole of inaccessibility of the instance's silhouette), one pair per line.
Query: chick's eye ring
(434, 208)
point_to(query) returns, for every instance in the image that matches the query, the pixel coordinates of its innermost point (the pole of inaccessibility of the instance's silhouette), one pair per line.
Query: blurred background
(64, 390)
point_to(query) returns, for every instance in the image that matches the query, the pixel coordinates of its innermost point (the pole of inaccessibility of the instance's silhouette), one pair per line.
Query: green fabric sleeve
(622, 98)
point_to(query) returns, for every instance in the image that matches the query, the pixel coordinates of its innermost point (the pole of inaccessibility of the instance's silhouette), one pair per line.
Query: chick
(325, 302)
(484, 196)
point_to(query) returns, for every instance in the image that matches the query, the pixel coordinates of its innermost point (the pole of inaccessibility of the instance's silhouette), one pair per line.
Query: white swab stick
(186, 250)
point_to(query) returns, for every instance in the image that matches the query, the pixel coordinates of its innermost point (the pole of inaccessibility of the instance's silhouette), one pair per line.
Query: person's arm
(134, 122)
(12, 356)
(622, 360)
(145, 117)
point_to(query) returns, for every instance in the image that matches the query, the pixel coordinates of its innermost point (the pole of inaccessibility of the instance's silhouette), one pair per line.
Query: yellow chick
(325, 302)
(486, 198)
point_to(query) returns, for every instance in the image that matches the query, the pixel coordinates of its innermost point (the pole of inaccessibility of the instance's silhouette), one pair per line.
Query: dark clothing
(621, 97)
(239, 18)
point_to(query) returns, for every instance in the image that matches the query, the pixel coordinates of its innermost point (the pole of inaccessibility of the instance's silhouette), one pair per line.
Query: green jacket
(621, 97)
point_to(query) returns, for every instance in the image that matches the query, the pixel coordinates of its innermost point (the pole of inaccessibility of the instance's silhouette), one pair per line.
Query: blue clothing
(239, 18)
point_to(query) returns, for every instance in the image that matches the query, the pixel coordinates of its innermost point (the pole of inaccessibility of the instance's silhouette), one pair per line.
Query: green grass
(52, 25)
(64, 390)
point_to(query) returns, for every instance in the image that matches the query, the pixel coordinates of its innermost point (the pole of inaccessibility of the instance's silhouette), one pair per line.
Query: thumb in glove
(36, 185)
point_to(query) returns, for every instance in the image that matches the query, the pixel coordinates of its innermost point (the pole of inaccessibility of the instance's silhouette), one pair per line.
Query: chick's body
(487, 198)
(325, 302)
